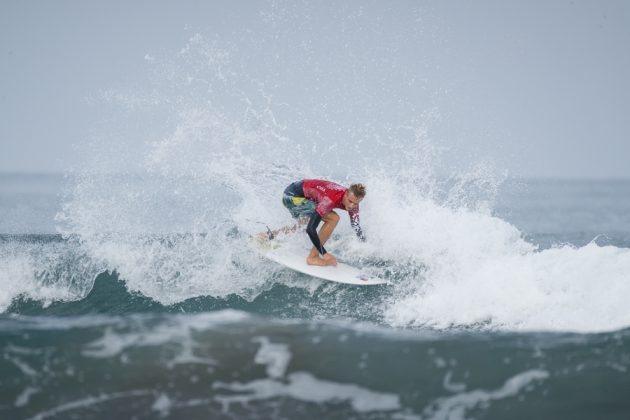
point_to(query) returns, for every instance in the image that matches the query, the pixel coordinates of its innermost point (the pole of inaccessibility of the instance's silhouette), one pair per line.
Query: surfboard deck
(296, 260)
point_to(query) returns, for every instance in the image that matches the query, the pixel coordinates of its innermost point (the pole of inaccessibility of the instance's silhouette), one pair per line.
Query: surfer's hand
(329, 259)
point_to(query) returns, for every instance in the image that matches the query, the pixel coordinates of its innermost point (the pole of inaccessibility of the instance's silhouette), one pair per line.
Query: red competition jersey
(328, 196)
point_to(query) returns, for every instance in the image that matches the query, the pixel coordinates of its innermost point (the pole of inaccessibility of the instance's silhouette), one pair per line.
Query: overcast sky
(540, 87)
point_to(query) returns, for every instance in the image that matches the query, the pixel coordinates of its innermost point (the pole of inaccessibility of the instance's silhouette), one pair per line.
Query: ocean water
(518, 312)
(128, 286)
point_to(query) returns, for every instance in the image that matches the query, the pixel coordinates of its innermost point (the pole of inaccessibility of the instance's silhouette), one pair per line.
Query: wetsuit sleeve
(354, 222)
(311, 230)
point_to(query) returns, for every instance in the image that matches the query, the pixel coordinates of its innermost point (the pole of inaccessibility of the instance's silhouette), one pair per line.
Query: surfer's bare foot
(330, 259)
(326, 260)
(315, 261)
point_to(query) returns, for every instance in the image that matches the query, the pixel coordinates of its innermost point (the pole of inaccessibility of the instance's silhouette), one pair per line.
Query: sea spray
(174, 225)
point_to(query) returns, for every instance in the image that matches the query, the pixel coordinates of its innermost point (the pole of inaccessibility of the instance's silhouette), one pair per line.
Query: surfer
(313, 200)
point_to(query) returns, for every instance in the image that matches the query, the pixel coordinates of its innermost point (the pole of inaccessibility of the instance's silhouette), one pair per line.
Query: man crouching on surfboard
(316, 199)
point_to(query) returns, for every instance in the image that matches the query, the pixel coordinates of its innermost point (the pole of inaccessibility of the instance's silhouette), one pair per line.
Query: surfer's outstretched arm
(271, 234)
(291, 229)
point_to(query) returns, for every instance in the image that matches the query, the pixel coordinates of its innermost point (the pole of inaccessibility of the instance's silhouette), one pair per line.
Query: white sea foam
(179, 330)
(303, 386)
(452, 386)
(172, 232)
(456, 406)
(25, 396)
(87, 402)
(276, 356)
(26, 369)
(45, 272)
(477, 270)
(162, 405)
(457, 265)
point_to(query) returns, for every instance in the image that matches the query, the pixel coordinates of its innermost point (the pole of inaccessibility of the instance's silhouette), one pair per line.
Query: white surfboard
(342, 273)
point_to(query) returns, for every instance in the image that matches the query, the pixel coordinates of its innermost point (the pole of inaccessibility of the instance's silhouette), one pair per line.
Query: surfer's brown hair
(358, 190)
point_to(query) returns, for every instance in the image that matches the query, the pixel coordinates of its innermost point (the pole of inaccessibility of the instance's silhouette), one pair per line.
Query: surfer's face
(350, 201)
